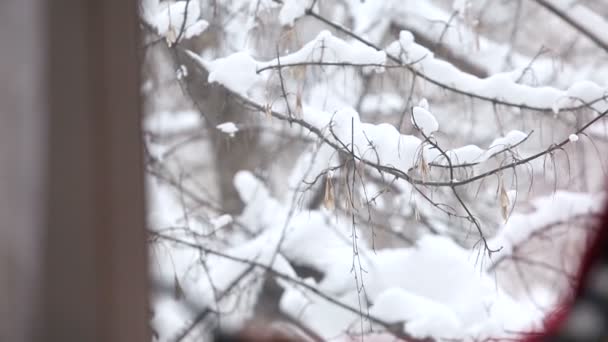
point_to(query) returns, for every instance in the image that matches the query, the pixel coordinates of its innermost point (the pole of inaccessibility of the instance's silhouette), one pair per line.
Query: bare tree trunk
(231, 153)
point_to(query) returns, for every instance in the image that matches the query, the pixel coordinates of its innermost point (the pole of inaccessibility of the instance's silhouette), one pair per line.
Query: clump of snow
(573, 138)
(424, 103)
(170, 19)
(168, 314)
(260, 208)
(378, 143)
(512, 138)
(473, 154)
(148, 9)
(466, 154)
(250, 188)
(181, 72)
(221, 221)
(316, 117)
(586, 91)
(330, 49)
(365, 16)
(406, 39)
(424, 317)
(228, 128)
(291, 10)
(424, 120)
(195, 29)
(236, 72)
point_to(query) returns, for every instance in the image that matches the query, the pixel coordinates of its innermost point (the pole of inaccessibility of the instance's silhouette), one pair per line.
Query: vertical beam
(95, 275)
(22, 123)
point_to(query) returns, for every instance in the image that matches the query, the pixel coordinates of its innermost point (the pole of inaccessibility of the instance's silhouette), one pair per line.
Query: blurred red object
(584, 315)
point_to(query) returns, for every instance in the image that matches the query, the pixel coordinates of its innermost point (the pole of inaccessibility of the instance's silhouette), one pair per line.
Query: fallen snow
(500, 86)
(471, 306)
(291, 10)
(424, 103)
(473, 154)
(330, 49)
(169, 20)
(424, 317)
(512, 138)
(424, 120)
(473, 303)
(228, 128)
(468, 154)
(236, 72)
(221, 221)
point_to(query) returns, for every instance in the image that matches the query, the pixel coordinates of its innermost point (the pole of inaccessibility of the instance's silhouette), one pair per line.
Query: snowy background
(355, 169)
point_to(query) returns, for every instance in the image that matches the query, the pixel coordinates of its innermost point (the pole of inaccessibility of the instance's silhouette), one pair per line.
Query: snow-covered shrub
(349, 169)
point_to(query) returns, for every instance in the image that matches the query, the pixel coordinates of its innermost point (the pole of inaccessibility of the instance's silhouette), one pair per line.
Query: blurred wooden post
(22, 164)
(95, 268)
